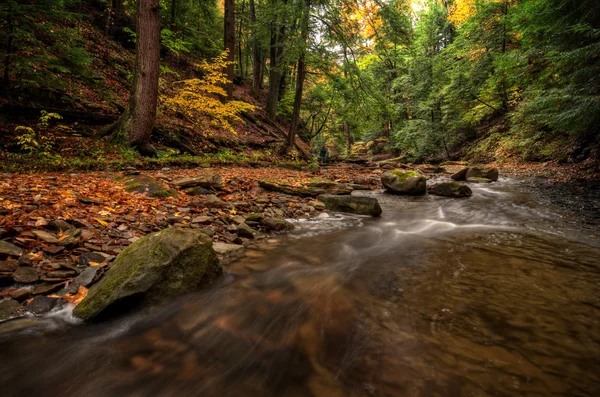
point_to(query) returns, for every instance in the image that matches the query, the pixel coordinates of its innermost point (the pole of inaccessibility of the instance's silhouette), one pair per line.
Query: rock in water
(277, 224)
(490, 173)
(158, 266)
(450, 189)
(404, 182)
(479, 180)
(351, 204)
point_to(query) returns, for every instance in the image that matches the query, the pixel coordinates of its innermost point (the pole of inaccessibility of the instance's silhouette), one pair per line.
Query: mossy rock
(404, 182)
(157, 267)
(479, 180)
(147, 185)
(467, 173)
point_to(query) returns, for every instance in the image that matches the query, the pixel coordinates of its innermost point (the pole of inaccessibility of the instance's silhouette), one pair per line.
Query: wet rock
(21, 294)
(42, 304)
(399, 181)
(352, 204)
(479, 180)
(59, 225)
(158, 266)
(45, 236)
(206, 180)
(318, 205)
(490, 173)
(25, 275)
(61, 274)
(24, 260)
(70, 238)
(244, 230)
(450, 189)
(254, 217)
(9, 249)
(227, 249)
(277, 225)
(43, 289)
(10, 308)
(147, 185)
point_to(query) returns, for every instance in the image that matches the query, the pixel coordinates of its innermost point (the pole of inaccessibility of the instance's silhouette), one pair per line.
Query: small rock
(21, 294)
(42, 304)
(54, 249)
(213, 201)
(276, 224)
(72, 238)
(8, 266)
(227, 249)
(88, 201)
(24, 260)
(479, 180)
(244, 230)
(196, 191)
(59, 225)
(25, 275)
(87, 257)
(45, 236)
(44, 289)
(10, 308)
(450, 189)
(206, 180)
(61, 274)
(239, 219)
(351, 204)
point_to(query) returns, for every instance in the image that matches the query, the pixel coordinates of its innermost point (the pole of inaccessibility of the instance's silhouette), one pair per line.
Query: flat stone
(276, 224)
(72, 238)
(227, 249)
(43, 289)
(9, 249)
(45, 236)
(25, 275)
(21, 294)
(42, 304)
(8, 266)
(352, 204)
(54, 249)
(244, 230)
(59, 225)
(206, 180)
(87, 257)
(10, 308)
(203, 219)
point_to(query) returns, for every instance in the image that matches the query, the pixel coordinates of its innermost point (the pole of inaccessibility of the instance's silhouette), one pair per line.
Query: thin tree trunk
(256, 61)
(240, 27)
(229, 28)
(274, 74)
(301, 74)
(348, 137)
(9, 44)
(173, 8)
(136, 123)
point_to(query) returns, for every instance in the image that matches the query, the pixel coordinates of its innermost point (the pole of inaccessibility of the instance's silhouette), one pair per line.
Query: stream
(495, 295)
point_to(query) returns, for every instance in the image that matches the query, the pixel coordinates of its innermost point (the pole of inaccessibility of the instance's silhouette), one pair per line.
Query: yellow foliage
(201, 96)
(461, 10)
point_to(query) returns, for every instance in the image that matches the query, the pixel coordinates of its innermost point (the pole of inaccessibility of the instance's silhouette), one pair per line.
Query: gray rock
(10, 308)
(196, 191)
(404, 182)
(213, 201)
(479, 180)
(87, 257)
(8, 266)
(227, 249)
(244, 230)
(450, 189)
(203, 220)
(277, 224)
(351, 204)
(318, 205)
(206, 180)
(25, 275)
(147, 185)
(42, 304)
(490, 173)
(158, 266)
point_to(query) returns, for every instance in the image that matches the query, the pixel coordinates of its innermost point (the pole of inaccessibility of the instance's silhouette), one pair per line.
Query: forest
(426, 80)
(299, 198)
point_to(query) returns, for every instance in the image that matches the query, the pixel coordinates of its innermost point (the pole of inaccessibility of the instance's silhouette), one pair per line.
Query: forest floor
(41, 211)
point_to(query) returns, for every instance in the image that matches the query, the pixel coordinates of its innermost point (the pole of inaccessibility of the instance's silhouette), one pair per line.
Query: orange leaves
(75, 298)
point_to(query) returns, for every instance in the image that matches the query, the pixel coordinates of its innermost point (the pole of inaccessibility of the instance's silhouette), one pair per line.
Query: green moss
(404, 175)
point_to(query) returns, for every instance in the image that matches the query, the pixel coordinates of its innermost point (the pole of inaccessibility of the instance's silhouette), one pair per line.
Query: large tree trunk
(229, 31)
(136, 123)
(301, 74)
(9, 45)
(275, 69)
(256, 61)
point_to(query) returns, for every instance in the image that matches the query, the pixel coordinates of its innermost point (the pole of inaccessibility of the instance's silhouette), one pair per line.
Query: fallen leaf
(77, 297)
(100, 221)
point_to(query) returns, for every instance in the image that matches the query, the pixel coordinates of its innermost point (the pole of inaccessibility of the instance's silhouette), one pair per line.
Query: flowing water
(495, 295)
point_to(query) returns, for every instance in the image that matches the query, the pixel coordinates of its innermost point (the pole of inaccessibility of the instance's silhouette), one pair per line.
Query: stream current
(495, 295)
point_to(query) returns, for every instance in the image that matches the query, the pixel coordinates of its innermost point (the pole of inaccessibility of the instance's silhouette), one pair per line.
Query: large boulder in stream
(399, 181)
(312, 188)
(351, 204)
(476, 172)
(158, 266)
(450, 189)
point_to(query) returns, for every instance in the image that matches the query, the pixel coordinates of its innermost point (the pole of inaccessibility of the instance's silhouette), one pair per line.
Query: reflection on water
(489, 296)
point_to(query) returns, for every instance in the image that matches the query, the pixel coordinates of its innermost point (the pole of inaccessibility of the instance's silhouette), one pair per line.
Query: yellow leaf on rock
(100, 221)
(77, 297)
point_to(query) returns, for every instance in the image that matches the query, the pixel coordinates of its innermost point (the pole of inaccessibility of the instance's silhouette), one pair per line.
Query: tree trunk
(256, 61)
(348, 137)
(9, 44)
(239, 43)
(300, 76)
(173, 8)
(136, 123)
(229, 28)
(274, 72)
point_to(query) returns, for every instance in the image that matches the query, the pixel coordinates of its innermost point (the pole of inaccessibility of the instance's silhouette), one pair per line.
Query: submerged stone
(351, 204)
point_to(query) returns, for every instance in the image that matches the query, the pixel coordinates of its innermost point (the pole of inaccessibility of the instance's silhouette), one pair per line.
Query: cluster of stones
(414, 182)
